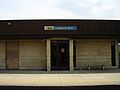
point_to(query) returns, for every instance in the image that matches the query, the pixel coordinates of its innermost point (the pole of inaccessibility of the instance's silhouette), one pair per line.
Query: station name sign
(60, 27)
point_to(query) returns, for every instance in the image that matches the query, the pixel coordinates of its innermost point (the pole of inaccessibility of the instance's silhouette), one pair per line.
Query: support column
(71, 55)
(117, 53)
(48, 55)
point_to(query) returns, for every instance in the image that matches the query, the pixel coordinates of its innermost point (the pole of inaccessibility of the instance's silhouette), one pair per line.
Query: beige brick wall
(2, 55)
(93, 52)
(32, 55)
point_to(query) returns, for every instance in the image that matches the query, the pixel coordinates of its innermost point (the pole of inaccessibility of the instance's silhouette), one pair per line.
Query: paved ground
(59, 79)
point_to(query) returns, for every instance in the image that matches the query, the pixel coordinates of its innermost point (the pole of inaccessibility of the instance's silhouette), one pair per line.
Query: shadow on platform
(103, 87)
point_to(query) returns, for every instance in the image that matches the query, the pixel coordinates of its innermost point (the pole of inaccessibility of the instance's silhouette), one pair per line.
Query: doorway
(60, 54)
(12, 55)
(113, 54)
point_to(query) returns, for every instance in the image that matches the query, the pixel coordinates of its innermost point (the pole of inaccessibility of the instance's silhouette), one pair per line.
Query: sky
(59, 9)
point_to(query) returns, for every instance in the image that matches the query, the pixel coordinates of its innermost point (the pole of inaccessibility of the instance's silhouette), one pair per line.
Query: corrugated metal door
(12, 55)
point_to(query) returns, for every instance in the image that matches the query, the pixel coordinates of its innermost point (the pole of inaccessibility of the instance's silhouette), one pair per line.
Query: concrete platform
(59, 79)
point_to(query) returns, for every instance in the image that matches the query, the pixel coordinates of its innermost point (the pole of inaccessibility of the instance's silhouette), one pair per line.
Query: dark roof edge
(59, 20)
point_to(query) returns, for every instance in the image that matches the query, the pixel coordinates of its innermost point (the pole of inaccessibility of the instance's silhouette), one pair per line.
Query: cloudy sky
(59, 9)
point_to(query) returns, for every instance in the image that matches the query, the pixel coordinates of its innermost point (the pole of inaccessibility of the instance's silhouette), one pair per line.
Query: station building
(58, 44)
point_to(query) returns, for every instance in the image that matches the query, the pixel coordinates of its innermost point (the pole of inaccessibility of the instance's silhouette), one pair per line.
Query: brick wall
(32, 55)
(93, 52)
(2, 55)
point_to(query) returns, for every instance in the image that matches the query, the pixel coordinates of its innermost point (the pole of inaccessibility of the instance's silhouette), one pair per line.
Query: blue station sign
(60, 27)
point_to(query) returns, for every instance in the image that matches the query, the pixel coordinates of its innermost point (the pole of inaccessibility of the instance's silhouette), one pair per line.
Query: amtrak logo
(48, 27)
